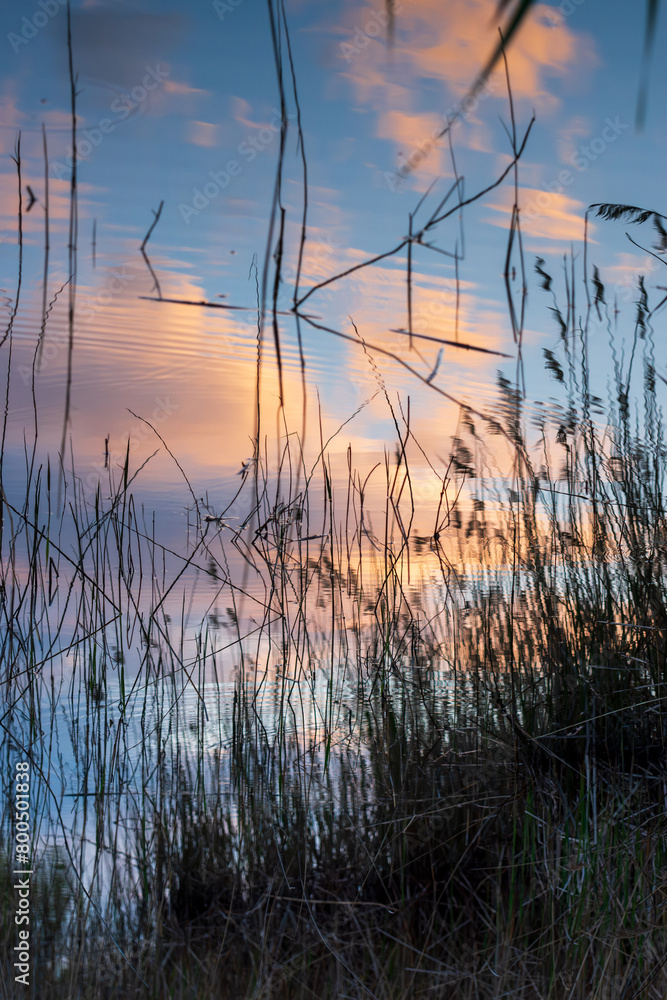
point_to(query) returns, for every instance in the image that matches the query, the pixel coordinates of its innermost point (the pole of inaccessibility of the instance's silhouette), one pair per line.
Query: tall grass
(462, 799)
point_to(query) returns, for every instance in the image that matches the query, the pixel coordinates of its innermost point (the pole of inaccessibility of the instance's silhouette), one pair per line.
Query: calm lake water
(178, 134)
(178, 105)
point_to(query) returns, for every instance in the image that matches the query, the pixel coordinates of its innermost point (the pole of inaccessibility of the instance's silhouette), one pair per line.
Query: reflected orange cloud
(408, 131)
(467, 33)
(202, 133)
(376, 299)
(544, 215)
(452, 41)
(449, 43)
(181, 89)
(191, 372)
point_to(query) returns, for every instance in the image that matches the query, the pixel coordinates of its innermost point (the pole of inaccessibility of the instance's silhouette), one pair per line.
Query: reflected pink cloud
(545, 215)
(449, 43)
(202, 133)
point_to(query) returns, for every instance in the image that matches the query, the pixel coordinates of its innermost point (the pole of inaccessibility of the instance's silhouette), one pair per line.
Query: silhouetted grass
(471, 808)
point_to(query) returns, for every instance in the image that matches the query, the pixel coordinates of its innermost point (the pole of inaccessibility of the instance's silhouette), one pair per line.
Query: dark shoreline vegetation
(487, 815)
(455, 793)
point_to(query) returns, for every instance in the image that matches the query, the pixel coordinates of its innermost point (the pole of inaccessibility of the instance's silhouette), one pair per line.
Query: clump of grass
(402, 873)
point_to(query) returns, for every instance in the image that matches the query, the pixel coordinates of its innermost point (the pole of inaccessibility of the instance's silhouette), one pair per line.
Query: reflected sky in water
(179, 103)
